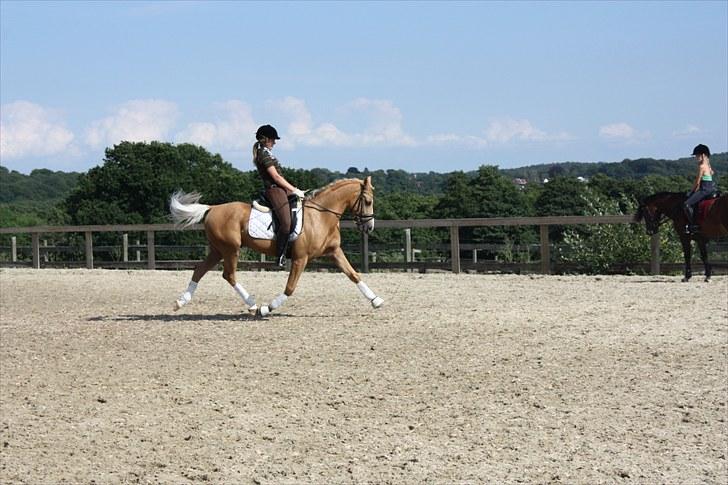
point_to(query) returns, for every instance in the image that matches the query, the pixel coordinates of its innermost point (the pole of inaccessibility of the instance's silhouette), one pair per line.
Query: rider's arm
(279, 180)
(696, 184)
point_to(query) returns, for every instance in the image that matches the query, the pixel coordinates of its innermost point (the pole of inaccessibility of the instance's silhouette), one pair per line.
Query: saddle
(704, 206)
(262, 223)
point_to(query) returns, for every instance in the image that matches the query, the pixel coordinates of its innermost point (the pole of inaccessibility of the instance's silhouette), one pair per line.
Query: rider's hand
(298, 193)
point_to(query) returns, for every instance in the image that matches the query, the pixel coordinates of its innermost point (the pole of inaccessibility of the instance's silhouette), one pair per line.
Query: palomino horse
(226, 227)
(661, 207)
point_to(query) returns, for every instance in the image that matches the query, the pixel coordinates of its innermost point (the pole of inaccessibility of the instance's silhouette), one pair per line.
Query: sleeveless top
(264, 158)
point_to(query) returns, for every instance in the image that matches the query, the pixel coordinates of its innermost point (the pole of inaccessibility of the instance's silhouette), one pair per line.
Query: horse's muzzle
(366, 227)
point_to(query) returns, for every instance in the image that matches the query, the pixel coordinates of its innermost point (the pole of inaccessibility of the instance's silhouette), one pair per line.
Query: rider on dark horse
(277, 188)
(703, 187)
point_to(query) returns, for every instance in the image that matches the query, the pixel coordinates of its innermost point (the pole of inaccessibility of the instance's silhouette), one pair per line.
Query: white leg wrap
(186, 296)
(369, 295)
(247, 297)
(277, 302)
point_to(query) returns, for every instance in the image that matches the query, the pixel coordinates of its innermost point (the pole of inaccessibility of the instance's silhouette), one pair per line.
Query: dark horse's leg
(703, 247)
(687, 253)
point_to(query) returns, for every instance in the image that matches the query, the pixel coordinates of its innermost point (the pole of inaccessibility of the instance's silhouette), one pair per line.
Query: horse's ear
(368, 182)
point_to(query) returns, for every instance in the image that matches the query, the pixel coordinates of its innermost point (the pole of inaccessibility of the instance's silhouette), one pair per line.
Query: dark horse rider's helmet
(701, 150)
(267, 131)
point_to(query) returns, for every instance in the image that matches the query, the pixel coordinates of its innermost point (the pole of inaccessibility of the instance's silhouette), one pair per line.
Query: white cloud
(136, 120)
(500, 131)
(687, 131)
(622, 131)
(503, 131)
(28, 129)
(381, 121)
(233, 130)
(617, 130)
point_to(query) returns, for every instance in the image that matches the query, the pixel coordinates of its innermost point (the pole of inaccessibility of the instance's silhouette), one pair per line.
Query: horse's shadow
(167, 318)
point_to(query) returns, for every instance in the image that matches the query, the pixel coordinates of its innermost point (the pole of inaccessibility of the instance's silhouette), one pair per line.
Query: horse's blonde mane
(316, 192)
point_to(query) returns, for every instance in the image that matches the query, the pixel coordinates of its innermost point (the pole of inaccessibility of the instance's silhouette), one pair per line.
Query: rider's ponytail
(256, 147)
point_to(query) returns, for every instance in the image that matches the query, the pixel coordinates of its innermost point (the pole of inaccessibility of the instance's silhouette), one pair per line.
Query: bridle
(654, 223)
(359, 218)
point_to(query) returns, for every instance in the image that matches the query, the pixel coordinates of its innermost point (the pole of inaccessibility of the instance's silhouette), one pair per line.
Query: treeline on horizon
(47, 185)
(133, 184)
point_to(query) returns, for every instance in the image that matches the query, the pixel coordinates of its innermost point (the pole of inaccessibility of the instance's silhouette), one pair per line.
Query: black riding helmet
(267, 131)
(701, 150)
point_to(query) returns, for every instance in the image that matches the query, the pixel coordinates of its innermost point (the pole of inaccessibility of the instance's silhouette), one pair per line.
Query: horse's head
(657, 208)
(363, 207)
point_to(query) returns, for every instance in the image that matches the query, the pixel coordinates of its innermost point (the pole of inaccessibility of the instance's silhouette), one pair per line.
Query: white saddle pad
(260, 225)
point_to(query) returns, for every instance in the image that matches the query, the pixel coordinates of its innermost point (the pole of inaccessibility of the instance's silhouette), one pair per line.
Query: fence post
(455, 248)
(545, 250)
(150, 250)
(364, 252)
(35, 238)
(125, 247)
(655, 254)
(408, 245)
(138, 252)
(45, 250)
(14, 249)
(89, 250)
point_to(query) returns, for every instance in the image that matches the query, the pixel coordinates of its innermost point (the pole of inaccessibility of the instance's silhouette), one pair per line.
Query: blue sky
(418, 86)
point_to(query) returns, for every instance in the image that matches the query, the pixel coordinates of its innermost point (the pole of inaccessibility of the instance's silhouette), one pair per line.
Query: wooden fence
(454, 225)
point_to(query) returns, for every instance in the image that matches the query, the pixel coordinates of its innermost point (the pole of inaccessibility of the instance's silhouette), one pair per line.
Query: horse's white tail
(185, 209)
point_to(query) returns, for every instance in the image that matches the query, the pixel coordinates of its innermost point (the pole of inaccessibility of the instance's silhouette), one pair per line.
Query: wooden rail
(407, 225)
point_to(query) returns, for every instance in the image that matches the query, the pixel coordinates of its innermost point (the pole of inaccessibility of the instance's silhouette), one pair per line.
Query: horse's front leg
(703, 247)
(297, 267)
(345, 266)
(687, 254)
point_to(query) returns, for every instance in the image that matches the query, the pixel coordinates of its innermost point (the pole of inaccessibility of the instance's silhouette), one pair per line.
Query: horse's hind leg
(230, 264)
(703, 247)
(345, 266)
(202, 267)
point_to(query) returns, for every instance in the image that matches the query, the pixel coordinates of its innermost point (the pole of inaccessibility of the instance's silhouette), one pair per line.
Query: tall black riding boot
(281, 250)
(690, 228)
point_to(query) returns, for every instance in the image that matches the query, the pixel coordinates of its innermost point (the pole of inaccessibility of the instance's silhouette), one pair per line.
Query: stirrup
(281, 260)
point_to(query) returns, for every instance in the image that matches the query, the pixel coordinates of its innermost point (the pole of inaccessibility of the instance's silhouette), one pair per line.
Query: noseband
(359, 217)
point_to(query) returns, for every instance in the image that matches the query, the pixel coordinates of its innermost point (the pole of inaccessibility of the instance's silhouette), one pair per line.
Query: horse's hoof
(177, 305)
(253, 310)
(263, 311)
(377, 302)
(685, 280)
(707, 280)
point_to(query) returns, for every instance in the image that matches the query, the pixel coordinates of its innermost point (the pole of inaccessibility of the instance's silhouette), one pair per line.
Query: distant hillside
(48, 186)
(626, 169)
(40, 185)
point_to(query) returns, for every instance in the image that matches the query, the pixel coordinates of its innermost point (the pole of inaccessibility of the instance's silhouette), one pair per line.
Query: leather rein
(359, 217)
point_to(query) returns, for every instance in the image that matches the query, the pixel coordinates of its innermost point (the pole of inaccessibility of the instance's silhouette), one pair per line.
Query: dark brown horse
(668, 206)
(226, 227)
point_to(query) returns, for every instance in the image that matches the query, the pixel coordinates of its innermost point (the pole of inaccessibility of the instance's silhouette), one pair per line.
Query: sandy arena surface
(457, 379)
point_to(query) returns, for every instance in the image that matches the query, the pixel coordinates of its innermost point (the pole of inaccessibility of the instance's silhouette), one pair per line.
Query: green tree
(136, 180)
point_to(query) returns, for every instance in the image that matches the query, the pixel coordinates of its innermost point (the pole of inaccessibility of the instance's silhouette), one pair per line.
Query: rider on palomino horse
(277, 188)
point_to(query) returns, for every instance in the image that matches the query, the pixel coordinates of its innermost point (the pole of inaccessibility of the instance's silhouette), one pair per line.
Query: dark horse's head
(658, 208)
